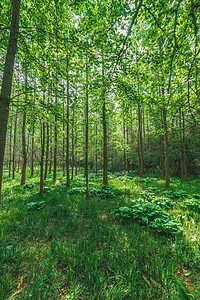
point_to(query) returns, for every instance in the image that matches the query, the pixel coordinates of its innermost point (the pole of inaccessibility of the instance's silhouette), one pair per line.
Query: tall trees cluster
(109, 85)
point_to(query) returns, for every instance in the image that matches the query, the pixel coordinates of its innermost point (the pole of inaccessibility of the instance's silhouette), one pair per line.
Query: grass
(64, 246)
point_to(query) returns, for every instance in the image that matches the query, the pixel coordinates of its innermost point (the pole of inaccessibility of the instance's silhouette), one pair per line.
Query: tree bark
(124, 133)
(72, 175)
(42, 158)
(24, 153)
(76, 158)
(140, 142)
(105, 154)
(86, 132)
(10, 146)
(32, 154)
(14, 142)
(67, 154)
(55, 138)
(51, 150)
(184, 151)
(96, 152)
(167, 176)
(127, 156)
(47, 145)
(7, 81)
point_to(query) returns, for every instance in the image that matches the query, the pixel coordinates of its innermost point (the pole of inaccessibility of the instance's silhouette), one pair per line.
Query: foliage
(35, 205)
(175, 194)
(29, 185)
(71, 236)
(104, 192)
(192, 204)
(150, 214)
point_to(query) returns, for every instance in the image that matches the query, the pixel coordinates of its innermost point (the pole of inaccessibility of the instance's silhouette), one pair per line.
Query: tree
(7, 81)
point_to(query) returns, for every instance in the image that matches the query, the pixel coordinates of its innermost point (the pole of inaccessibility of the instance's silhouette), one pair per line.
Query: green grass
(68, 247)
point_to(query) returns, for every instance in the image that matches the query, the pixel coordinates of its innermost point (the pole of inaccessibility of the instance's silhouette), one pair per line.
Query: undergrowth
(64, 246)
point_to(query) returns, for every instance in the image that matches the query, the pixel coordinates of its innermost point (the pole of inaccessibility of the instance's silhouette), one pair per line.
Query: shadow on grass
(72, 247)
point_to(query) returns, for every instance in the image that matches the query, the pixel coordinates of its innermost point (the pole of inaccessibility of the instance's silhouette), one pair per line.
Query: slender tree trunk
(14, 142)
(184, 151)
(55, 141)
(7, 81)
(76, 158)
(96, 151)
(72, 175)
(67, 156)
(162, 156)
(42, 158)
(24, 152)
(127, 156)
(167, 176)
(140, 142)
(47, 152)
(63, 151)
(105, 154)
(86, 132)
(124, 133)
(32, 154)
(63, 145)
(10, 146)
(51, 150)
(47, 141)
(181, 145)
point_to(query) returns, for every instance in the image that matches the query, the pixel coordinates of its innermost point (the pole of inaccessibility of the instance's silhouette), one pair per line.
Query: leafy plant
(154, 190)
(147, 195)
(35, 205)
(105, 192)
(46, 189)
(163, 202)
(175, 194)
(146, 180)
(152, 215)
(29, 185)
(192, 204)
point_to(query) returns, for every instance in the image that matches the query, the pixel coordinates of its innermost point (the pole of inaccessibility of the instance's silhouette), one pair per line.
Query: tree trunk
(47, 141)
(51, 150)
(72, 175)
(10, 146)
(181, 146)
(24, 153)
(67, 154)
(7, 81)
(124, 133)
(127, 156)
(55, 141)
(32, 154)
(86, 132)
(167, 176)
(162, 156)
(47, 152)
(140, 142)
(14, 142)
(96, 152)
(76, 158)
(63, 145)
(105, 158)
(42, 158)
(184, 150)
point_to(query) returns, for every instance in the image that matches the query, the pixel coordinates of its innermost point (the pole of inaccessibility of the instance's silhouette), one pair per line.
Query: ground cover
(64, 246)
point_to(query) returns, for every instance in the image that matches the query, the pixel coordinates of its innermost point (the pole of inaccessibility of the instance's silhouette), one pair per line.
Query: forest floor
(133, 240)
